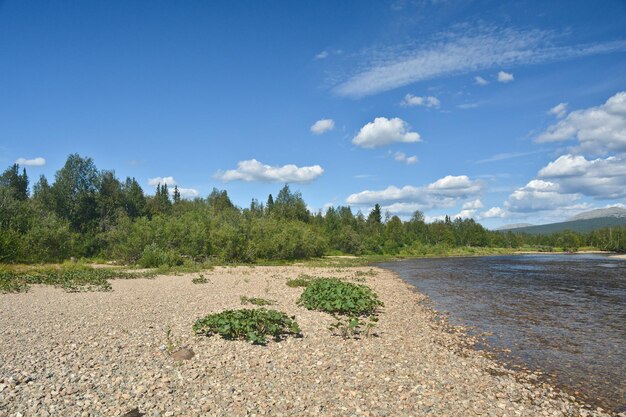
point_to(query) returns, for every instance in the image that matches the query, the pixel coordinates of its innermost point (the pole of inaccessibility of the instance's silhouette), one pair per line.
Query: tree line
(90, 213)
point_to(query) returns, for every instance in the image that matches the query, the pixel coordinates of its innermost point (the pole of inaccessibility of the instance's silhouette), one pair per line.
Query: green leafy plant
(200, 279)
(172, 343)
(334, 296)
(253, 325)
(353, 306)
(256, 301)
(72, 277)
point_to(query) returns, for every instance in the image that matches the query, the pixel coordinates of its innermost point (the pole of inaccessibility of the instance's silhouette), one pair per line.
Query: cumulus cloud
(35, 162)
(480, 80)
(253, 170)
(428, 101)
(443, 193)
(450, 53)
(169, 181)
(402, 157)
(602, 178)
(493, 212)
(187, 193)
(539, 195)
(505, 77)
(560, 110)
(599, 129)
(322, 126)
(383, 131)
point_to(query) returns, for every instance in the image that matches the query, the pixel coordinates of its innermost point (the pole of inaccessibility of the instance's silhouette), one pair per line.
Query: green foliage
(353, 326)
(153, 257)
(200, 279)
(254, 325)
(302, 281)
(256, 301)
(88, 213)
(334, 296)
(69, 276)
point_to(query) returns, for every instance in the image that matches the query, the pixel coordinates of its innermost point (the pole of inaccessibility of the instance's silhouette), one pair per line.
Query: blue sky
(507, 112)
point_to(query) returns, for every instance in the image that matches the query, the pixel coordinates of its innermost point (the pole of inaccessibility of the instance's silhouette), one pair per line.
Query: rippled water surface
(562, 314)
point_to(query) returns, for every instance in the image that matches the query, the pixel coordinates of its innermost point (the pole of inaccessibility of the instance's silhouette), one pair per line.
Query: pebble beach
(110, 354)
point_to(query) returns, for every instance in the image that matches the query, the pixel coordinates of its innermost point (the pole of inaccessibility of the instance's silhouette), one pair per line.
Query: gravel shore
(103, 354)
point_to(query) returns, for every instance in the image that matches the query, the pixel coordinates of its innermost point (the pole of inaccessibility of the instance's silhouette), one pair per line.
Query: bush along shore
(90, 213)
(344, 341)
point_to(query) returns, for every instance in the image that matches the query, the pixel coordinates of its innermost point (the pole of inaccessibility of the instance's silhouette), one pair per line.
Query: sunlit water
(562, 314)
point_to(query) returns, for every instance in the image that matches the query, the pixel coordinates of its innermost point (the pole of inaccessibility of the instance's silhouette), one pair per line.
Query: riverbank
(105, 353)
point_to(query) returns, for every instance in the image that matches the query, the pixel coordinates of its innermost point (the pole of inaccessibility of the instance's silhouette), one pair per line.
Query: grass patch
(253, 325)
(256, 301)
(302, 281)
(72, 277)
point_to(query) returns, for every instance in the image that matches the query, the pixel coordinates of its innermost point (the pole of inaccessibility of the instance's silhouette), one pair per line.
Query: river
(564, 315)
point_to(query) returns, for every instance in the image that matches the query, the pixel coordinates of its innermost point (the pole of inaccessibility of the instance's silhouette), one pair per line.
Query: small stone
(183, 354)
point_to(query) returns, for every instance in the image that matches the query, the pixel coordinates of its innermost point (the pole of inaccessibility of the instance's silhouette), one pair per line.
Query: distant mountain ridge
(614, 211)
(514, 226)
(583, 222)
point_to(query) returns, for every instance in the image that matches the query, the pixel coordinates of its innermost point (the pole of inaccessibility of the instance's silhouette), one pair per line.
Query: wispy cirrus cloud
(461, 52)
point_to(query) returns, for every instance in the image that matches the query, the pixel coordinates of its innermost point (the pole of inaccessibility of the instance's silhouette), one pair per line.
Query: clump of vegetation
(334, 296)
(200, 279)
(154, 256)
(353, 306)
(256, 301)
(172, 343)
(253, 325)
(303, 280)
(72, 277)
(369, 273)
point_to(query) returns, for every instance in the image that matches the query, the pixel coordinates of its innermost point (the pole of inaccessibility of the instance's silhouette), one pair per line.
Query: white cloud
(253, 170)
(466, 106)
(328, 52)
(493, 212)
(383, 131)
(188, 193)
(322, 55)
(598, 129)
(402, 157)
(602, 178)
(322, 126)
(480, 80)
(428, 101)
(443, 193)
(169, 181)
(35, 162)
(559, 110)
(473, 205)
(461, 52)
(505, 77)
(539, 195)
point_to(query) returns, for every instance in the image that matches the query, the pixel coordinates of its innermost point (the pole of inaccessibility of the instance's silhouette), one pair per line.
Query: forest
(89, 213)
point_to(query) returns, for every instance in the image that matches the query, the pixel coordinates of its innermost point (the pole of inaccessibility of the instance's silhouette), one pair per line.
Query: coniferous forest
(90, 213)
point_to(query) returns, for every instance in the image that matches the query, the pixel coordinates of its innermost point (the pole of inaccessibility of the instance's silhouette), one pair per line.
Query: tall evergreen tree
(17, 183)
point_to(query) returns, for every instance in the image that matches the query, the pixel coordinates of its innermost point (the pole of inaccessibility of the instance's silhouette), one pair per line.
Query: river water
(562, 314)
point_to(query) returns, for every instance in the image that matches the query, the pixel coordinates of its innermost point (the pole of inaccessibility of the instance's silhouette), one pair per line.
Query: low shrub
(334, 296)
(200, 279)
(253, 325)
(154, 256)
(256, 301)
